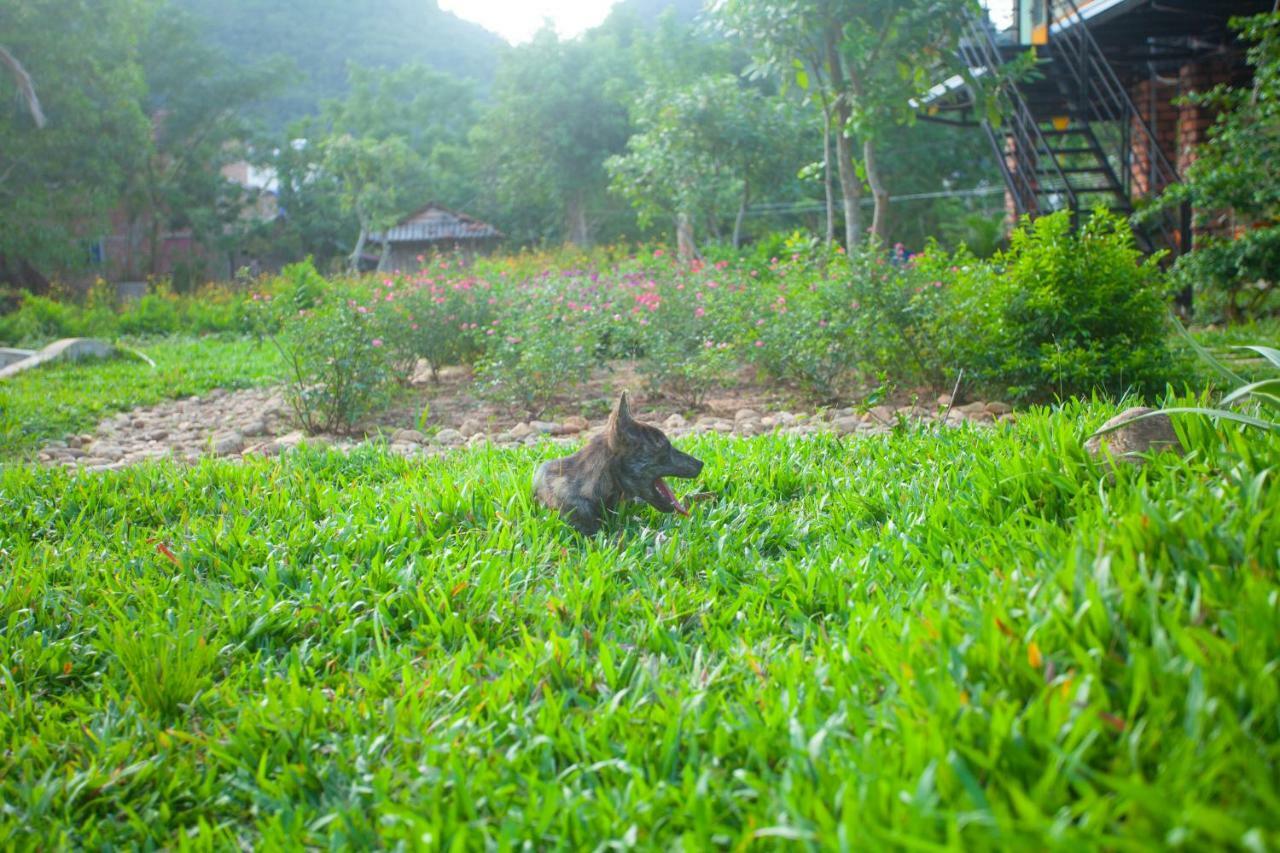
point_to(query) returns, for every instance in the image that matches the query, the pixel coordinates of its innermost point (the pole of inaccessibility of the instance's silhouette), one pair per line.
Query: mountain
(322, 36)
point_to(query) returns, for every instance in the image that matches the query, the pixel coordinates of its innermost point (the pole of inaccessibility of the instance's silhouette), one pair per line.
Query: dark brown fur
(627, 460)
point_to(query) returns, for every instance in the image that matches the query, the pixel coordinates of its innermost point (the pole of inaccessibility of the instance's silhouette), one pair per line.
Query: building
(1101, 120)
(431, 229)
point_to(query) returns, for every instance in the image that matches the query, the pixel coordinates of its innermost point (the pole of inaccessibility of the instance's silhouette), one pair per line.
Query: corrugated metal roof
(436, 223)
(427, 231)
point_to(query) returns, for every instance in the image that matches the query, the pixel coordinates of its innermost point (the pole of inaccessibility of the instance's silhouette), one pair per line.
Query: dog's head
(645, 456)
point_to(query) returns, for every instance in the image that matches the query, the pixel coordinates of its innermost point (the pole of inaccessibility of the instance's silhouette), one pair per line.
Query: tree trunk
(576, 220)
(354, 260)
(385, 257)
(686, 249)
(879, 219)
(742, 213)
(828, 190)
(850, 189)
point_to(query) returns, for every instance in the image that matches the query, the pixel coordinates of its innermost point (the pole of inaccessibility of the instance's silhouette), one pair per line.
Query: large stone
(227, 443)
(520, 430)
(109, 452)
(745, 415)
(1135, 436)
(471, 426)
(574, 424)
(972, 408)
(881, 414)
(998, 408)
(449, 437)
(846, 423)
(408, 436)
(675, 421)
(544, 427)
(255, 427)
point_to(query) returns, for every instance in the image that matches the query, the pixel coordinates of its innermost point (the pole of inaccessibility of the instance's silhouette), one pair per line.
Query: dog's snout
(688, 466)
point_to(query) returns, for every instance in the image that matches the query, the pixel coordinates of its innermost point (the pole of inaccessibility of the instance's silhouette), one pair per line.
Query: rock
(745, 415)
(544, 427)
(675, 421)
(255, 427)
(471, 427)
(452, 373)
(1131, 441)
(575, 424)
(227, 443)
(944, 400)
(408, 436)
(768, 422)
(997, 408)
(881, 414)
(520, 430)
(449, 437)
(284, 443)
(786, 418)
(73, 441)
(109, 452)
(404, 448)
(749, 426)
(846, 423)
(980, 417)
(160, 434)
(971, 408)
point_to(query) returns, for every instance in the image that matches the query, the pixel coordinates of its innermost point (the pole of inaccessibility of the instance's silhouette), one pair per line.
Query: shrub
(687, 338)
(542, 343)
(443, 321)
(1061, 312)
(333, 340)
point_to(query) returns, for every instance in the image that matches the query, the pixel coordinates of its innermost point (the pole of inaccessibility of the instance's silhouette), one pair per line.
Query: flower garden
(953, 631)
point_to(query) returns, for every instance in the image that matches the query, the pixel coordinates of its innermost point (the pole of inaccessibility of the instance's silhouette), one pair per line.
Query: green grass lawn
(49, 402)
(970, 640)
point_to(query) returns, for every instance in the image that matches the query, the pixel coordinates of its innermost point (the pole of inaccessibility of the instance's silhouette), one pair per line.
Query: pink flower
(488, 331)
(822, 324)
(657, 253)
(760, 322)
(360, 309)
(699, 311)
(390, 296)
(759, 343)
(377, 342)
(414, 326)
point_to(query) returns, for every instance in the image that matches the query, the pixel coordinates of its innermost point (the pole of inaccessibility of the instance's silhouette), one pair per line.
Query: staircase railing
(1102, 98)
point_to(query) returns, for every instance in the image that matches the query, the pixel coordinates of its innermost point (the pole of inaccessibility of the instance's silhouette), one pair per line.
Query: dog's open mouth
(660, 486)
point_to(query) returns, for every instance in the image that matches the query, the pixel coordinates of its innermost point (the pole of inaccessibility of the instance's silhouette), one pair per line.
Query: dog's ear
(620, 421)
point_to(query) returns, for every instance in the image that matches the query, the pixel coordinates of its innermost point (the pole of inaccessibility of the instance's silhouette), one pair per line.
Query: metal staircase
(1067, 138)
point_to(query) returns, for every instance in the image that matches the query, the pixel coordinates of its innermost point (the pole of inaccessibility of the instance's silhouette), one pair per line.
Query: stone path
(234, 424)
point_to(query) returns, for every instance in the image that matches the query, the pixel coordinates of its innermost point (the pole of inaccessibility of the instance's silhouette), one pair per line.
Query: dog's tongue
(665, 491)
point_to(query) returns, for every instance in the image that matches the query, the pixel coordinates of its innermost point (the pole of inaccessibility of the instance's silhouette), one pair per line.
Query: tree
(58, 183)
(1236, 177)
(198, 101)
(26, 88)
(867, 58)
(558, 111)
(698, 148)
(373, 175)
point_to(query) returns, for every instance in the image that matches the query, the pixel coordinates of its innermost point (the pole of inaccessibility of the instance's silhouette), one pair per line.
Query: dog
(627, 460)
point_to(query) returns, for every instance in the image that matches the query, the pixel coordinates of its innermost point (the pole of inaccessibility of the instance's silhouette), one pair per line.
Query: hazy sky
(518, 20)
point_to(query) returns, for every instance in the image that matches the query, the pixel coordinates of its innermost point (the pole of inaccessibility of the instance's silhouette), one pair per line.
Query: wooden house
(429, 230)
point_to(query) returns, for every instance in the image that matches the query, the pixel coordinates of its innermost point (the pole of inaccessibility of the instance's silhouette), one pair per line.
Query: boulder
(1134, 437)
(449, 437)
(408, 436)
(227, 443)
